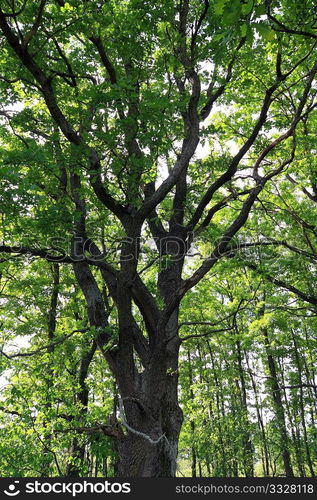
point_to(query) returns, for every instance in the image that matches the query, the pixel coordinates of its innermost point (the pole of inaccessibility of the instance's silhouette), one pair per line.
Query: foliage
(158, 237)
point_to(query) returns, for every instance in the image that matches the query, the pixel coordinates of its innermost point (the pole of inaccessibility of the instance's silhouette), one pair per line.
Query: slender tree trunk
(76, 464)
(293, 423)
(247, 440)
(207, 460)
(192, 423)
(310, 374)
(266, 461)
(278, 407)
(301, 404)
(52, 316)
(223, 468)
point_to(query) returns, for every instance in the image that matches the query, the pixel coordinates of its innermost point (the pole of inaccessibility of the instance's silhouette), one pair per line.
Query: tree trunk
(278, 407)
(246, 437)
(151, 401)
(302, 404)
(153, 422)
(265, 456)
(140, 458)
(52, 314)
(222, 466)
(192, 423)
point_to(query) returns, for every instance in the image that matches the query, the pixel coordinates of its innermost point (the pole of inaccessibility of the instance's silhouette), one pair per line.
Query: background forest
(158, 238)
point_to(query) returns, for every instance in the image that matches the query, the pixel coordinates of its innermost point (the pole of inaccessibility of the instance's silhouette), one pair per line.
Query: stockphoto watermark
(171, 488)
(161, 250)
(43, 487)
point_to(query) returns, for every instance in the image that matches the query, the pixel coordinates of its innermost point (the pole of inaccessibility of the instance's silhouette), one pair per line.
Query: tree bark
(153, 422)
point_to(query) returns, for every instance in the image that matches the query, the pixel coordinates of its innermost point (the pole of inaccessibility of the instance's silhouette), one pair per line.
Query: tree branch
(306, 298)
(43, 348)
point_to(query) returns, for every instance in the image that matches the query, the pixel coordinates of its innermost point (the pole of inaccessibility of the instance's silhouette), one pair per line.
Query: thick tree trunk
(147, 443)
(140, 458)
(153, 415)
(150, 445)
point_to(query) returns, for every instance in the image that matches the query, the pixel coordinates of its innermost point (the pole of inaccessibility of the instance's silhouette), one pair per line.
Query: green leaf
(244, 30)
(265, 31)
(219, 6)
(260, 10)
(247, 7)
